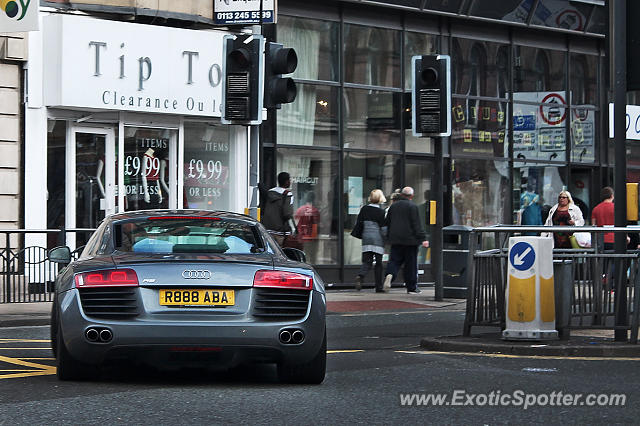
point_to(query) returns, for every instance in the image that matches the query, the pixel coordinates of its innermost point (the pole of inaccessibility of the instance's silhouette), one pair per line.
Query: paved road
(373, 358)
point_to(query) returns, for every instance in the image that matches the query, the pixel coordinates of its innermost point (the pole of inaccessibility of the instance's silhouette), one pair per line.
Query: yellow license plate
(197, 297)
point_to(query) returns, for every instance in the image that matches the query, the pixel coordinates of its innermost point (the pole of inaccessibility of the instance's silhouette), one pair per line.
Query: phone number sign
(244, 12)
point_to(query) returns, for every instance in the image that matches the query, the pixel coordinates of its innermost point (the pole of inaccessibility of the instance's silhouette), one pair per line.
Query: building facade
(117, 108)
(528, 95)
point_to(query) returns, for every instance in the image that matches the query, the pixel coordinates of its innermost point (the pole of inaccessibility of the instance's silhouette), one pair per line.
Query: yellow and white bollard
(530, 301)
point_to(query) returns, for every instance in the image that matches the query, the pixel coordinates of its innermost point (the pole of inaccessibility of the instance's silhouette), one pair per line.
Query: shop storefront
(526, 112)
(125, 116)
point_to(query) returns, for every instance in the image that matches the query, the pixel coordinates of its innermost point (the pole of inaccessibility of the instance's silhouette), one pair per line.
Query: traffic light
(243, 67)
(431, 95)
(277, 89)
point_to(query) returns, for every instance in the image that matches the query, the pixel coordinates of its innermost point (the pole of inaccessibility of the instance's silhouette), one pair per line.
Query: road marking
(578, 358)
(40, 369)
(345, 351)
(41, 359)
(25, 349)
(25, 340)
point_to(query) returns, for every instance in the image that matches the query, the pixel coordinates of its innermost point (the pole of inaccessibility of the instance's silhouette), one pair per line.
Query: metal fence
(26, 274)
(603, 288)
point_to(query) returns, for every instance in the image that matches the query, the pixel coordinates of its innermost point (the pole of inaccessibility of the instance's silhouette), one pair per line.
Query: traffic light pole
(436, 235)
(618, 57)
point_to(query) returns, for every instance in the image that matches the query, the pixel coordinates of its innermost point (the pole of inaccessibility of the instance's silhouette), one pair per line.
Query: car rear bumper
(225, 343)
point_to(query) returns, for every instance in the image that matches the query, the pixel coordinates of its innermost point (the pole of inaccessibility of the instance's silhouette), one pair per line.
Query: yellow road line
(43, 359)
(47, 372)
(25, 340)
(30, 349)
(346, 351)
(578, 358)
(41, 369)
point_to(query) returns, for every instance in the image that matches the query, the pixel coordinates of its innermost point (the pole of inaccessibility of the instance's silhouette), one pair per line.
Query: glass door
(419, 175)
(90, 179)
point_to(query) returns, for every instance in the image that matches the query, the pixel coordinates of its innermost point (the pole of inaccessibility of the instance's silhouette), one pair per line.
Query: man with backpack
(277, 209)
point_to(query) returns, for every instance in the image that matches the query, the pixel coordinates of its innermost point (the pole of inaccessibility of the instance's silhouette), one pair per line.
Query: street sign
(245, 12)
(522, 256)
(530, 295)
(551, 114)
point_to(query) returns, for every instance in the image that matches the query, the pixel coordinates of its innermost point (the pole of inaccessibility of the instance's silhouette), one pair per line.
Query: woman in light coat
(371, 219)
(564, 213)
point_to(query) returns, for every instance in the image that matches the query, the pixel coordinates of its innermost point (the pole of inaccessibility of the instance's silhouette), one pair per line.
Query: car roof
(142, 214)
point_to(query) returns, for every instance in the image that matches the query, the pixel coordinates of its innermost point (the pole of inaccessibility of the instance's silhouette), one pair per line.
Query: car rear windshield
(186, 235)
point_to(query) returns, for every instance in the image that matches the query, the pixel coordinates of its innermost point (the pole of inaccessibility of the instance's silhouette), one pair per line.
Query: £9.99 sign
(135, 166)
(198, 170)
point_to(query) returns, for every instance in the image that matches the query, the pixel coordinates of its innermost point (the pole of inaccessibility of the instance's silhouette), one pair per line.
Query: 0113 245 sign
(244, 12)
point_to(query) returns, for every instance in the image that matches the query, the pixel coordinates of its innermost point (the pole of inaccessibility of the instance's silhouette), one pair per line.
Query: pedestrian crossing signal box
(431, 95)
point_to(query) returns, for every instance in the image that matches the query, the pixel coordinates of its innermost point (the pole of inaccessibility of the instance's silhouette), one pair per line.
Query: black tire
(311, 373)
(68, 367)
(53, 330)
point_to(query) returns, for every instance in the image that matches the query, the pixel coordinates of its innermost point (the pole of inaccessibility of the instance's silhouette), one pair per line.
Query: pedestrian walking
(405, 234)
(371, 229)
(278, 209)
(603, 215)
(564, 213)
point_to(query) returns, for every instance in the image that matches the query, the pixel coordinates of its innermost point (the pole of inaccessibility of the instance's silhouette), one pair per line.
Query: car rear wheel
(311, 372)
(68, 367)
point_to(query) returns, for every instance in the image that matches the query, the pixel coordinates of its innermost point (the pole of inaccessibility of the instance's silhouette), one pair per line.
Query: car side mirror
(295, 254)
(60, 254)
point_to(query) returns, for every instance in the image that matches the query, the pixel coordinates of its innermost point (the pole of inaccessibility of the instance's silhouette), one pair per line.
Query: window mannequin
(151, 174)
(99, 171)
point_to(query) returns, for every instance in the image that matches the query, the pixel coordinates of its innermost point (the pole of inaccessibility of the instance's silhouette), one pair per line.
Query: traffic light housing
(279, 60)
(431, 95)
(243, 67)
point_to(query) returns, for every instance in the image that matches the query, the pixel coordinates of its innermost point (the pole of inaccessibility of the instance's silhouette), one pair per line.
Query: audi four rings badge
(196, 274)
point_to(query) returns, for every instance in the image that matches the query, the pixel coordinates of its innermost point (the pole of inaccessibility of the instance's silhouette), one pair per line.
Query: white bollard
(529, 299)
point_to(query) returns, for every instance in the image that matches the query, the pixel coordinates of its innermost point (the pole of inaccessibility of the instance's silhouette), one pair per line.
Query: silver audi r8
(174, 288)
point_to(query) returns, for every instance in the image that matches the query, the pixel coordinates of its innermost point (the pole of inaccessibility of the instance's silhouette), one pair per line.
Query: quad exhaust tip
(291, 336)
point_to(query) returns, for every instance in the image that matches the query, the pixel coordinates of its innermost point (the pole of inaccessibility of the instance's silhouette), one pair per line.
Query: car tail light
(107, 278)
(282, 279)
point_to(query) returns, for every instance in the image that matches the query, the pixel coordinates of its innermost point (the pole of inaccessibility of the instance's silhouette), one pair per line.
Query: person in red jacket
(603, 214)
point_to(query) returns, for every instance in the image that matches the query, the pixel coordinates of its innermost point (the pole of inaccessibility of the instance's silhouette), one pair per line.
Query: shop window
(316, 44)
(538, 70)
(583, 79)
(364, 172)
(372, 56)
(535, 191)
(479, 188)
(314, 184)
(479, 128)
(147, 167)
(312, 119)
(372, 119)
(208, 167)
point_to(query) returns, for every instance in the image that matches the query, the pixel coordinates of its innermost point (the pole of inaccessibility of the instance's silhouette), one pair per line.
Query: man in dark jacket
(278, 209)
(405, 234)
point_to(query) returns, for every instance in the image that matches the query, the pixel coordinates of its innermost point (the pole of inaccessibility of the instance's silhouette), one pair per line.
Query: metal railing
(26, 273)
(604, 287)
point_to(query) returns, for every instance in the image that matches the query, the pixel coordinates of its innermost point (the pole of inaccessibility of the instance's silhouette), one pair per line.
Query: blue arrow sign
(522, 256)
